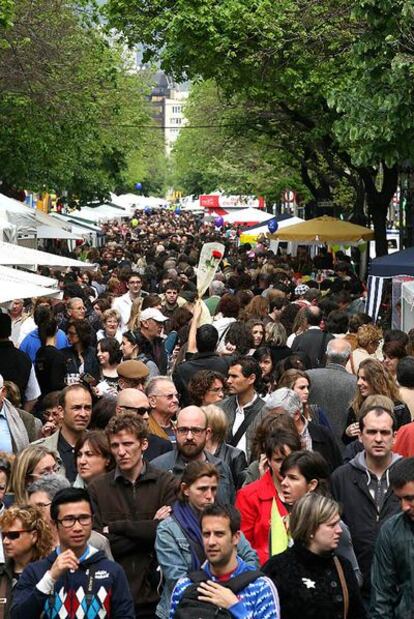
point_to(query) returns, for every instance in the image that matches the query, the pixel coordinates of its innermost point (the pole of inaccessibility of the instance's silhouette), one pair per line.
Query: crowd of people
(246, 454)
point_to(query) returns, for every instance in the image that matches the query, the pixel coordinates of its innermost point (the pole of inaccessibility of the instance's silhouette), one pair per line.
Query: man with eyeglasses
(129, 503)
(135, 401)
(124, 303)
(192, 432)
(75, 581)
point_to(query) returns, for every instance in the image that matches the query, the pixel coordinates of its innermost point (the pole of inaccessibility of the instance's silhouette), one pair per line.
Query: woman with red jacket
(255, 500)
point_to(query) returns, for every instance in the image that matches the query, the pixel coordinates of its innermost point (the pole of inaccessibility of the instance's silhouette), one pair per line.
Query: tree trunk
(378, 201)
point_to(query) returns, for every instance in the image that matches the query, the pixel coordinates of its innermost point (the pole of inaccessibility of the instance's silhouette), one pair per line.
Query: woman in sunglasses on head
(93, 457)
(26, 538)
(31, 463)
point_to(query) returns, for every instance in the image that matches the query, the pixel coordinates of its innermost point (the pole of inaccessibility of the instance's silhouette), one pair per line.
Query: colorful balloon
(148, 210)
(272, 225)
(138, 186)
(218, 222)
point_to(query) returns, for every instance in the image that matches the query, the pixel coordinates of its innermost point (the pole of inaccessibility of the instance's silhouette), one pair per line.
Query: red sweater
(254, 502)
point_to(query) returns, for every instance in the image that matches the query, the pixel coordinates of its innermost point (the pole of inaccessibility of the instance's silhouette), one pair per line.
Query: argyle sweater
(259, 600)
(109, 598)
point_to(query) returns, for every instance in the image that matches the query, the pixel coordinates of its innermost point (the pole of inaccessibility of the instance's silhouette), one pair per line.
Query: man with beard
(191, 432)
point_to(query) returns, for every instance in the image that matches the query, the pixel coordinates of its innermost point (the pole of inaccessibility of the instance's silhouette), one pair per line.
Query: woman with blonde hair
(216, 444)
(111, 320)
(26, 538)
(300, 325)
(134, 317)
(31, 463)
(307, 573)
(368, 338)
(373, 379)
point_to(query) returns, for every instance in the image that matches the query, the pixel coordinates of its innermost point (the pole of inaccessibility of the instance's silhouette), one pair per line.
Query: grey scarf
(18, 432)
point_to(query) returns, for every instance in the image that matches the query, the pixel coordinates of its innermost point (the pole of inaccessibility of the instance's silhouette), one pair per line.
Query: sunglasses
(141, 410)
(14, 534)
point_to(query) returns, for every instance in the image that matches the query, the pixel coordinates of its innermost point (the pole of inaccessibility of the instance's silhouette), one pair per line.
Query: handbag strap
(344, 586)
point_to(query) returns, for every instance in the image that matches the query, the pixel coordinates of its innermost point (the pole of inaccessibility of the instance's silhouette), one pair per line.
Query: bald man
(135, 401)
(191, 430)
(333, 388)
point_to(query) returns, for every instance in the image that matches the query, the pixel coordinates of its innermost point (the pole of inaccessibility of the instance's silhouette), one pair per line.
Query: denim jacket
(174, 558)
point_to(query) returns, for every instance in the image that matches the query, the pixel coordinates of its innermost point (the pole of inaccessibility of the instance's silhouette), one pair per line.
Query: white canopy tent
(100, 213)
(8, 231)
(133, 202)
(259, 230)
(24, 290)
(88, 231)
(18, 214)
(7, 274)
(47, 232)
(246, 216)
(17, 255)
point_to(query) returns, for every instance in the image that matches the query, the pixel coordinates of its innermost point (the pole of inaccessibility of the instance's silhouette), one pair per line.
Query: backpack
(190, 607)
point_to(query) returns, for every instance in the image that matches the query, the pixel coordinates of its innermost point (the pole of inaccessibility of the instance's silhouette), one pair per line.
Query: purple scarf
(189, 523)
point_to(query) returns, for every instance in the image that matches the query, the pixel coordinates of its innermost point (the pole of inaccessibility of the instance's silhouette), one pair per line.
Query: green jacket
(392, 574)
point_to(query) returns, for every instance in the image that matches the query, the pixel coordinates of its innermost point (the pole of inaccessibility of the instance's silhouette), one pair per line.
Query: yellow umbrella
(324, 230)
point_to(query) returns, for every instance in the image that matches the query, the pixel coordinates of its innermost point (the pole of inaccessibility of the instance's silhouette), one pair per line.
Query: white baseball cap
(154, 313)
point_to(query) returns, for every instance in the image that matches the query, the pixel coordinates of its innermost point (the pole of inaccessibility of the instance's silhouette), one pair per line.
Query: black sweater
(309, 587)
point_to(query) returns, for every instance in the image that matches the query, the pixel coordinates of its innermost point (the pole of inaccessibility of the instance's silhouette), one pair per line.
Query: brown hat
(132, 369)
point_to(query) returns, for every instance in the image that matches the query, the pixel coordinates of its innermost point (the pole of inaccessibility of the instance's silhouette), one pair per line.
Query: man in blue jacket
(220, 527)
(76, 581)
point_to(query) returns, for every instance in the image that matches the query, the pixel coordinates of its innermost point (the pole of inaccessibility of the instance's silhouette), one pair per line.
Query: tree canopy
(71, 110)
(331, 70)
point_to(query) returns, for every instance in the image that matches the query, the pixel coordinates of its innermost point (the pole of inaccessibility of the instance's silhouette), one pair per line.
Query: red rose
(216, 254)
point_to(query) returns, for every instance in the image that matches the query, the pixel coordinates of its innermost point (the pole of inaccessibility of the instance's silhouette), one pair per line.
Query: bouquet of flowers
(210, 257)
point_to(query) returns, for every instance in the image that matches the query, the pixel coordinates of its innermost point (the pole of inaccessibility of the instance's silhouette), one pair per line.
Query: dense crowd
(248, 454)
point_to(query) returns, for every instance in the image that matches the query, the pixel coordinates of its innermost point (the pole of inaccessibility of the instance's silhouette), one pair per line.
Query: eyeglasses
(169, 396)
(14, 534)
(140, 410)
(183, 431)
(216, 390)
(42, 505)
(47, 471)
(69, 521)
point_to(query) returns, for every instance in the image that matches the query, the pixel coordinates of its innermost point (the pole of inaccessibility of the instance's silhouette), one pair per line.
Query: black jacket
(156, 447)
(323, 441)
(50, 367)
(236, 460)
(349, 486)
(200, 361)
(309, 587)
(6, 586)
(313, 343)
(15, 365)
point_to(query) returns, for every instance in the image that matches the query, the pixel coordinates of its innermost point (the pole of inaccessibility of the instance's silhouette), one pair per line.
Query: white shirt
(123, 304)
(239, 420)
